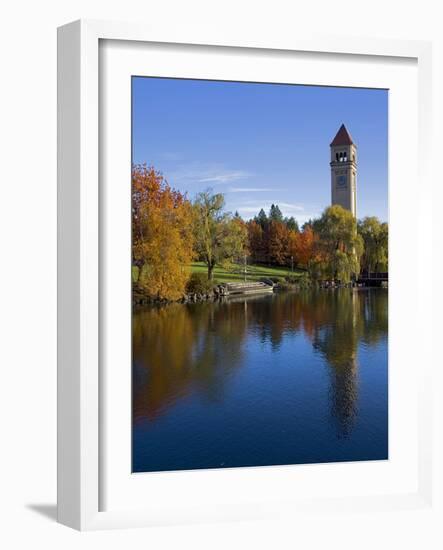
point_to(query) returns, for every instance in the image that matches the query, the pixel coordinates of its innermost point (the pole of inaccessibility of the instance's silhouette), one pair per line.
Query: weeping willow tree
(375, 239)
(340, 246)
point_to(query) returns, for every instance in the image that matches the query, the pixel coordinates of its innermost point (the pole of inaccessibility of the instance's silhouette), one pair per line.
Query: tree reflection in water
(180, 349)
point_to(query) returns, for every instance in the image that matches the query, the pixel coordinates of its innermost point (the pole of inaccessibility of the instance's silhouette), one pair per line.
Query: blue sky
(260, 144)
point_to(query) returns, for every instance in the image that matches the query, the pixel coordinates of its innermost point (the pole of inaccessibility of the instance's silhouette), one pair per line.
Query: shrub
(292, 279)
(305, 281)
(285, 285)
(198, 283)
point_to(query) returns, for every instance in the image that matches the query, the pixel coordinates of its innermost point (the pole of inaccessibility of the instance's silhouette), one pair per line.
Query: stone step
(250, 284)
(261, 290)
(247, 288)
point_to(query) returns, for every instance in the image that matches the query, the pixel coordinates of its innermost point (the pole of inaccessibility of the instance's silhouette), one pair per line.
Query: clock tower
(344, 171)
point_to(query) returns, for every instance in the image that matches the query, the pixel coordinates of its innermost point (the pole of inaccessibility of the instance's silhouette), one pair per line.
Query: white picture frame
(82, 259)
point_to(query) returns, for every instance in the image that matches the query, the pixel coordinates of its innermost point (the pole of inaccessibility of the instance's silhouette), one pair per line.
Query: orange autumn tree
(256, 240)
(303, 246)
(278, 235)
(162, 238)
(292, 247)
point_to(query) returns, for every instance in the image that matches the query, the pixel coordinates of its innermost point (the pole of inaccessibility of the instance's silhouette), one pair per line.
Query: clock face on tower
(341, 181)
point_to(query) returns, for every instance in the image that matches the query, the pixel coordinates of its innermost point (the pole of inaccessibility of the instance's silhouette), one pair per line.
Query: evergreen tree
(262, 219)
(275, 214)
(291, 224)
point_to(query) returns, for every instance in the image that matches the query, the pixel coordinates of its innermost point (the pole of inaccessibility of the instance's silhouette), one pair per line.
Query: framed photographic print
(232, 312)
(260, 310)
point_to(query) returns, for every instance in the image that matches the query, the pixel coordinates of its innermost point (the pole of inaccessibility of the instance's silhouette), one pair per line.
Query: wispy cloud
(225, 177)
(291, 206)
(192, 173)
(249, 189)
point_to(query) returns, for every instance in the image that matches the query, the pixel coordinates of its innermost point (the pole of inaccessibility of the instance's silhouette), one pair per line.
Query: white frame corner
(79, 251)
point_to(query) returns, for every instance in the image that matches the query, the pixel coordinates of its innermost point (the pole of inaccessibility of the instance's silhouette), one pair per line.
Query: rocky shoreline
(221, 292)
(141, 299)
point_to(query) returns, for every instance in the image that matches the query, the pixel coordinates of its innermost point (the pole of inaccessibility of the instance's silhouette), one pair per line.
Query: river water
(287, 378)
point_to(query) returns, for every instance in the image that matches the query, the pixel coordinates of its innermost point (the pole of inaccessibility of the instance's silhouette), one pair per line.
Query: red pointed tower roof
(343, 137)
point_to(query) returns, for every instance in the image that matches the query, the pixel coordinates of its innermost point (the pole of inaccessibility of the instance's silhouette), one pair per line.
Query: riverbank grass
(254, 272)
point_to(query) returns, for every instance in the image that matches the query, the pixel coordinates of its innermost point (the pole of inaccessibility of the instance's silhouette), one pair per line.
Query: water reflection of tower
(344, 396)
(337, 339)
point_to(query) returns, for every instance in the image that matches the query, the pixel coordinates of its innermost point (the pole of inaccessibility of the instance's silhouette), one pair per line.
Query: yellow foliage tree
(219, 238)
(162, 237)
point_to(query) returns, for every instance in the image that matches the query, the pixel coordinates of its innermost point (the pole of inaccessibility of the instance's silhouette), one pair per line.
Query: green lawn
(255, 272)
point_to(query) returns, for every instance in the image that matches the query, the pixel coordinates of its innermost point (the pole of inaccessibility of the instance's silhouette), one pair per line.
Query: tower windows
(344, 178)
